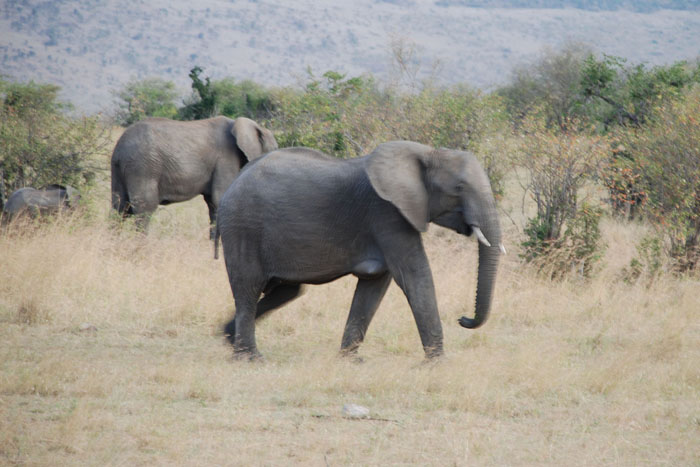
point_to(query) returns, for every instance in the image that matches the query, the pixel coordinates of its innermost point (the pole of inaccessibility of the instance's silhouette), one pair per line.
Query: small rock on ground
(355, 411)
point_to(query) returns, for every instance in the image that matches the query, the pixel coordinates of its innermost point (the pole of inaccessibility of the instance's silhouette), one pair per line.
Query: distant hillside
(92, 47)
(589, 5)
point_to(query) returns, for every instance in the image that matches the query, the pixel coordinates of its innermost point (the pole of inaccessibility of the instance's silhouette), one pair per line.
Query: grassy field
(112, 354)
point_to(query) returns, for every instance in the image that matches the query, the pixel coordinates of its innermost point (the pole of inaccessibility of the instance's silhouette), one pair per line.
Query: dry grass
(567, 373)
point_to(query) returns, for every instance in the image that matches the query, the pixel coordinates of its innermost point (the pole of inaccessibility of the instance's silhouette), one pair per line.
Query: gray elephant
(161, 161)
(297, 216)
(33, 202)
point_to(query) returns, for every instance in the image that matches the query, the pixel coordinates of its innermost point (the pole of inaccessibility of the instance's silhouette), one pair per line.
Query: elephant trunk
(489, 255)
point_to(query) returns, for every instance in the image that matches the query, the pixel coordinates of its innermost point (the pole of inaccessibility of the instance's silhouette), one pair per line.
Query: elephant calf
(160, 161)
(297, 216)
(43, 201)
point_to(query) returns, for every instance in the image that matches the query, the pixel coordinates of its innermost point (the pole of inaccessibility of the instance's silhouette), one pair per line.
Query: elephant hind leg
(278, 296)
(273, 299)
(143, 200)
(212, 205)
(368, 295)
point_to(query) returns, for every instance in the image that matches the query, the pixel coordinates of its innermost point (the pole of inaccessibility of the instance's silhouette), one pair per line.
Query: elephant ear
(395, 171)
(252, 139)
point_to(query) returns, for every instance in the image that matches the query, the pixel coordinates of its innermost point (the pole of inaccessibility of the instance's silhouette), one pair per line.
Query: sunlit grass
(112, 354)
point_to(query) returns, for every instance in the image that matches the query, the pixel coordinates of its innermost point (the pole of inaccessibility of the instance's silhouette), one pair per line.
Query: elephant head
(252, 139)
(68, 195)
(449, 188)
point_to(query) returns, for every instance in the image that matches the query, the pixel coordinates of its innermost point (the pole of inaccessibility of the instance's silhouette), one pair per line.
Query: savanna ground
(112, 354)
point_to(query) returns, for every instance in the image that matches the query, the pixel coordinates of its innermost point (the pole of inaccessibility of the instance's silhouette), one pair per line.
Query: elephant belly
(369, 268)
(324, 266)
(181, 188)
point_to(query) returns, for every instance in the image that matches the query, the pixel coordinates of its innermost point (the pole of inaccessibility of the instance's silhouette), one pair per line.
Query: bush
(39, 144)
(666, 155)
(563, 235)
(317, 116)
(348, 117)
(242, 99)
(203, 103)
(152, 97)
(648, 263)
(575, 252)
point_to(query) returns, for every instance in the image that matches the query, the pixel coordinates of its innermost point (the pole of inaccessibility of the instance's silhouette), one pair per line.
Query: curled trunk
(488, 265)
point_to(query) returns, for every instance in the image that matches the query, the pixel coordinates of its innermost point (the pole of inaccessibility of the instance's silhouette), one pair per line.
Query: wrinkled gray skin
(297, 216)
(161, 161)
(43, 201)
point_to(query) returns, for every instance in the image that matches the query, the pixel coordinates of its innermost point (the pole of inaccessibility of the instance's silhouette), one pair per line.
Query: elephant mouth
(483, 240)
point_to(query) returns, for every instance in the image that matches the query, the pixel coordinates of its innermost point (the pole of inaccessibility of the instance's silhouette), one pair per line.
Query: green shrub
(575, 252)
(666, 155)
(648, 263)
(563, 235)
(152, 97)
(40, 144)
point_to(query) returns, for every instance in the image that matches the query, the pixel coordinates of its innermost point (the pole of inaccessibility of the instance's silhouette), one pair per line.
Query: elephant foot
(247, 355)
(230, 332)
(351, 356)
(433, 353)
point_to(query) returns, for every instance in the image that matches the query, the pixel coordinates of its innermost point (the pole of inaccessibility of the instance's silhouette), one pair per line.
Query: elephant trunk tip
(470, 323)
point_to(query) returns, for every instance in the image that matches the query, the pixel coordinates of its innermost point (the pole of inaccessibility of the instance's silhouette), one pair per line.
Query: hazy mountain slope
(92, 47)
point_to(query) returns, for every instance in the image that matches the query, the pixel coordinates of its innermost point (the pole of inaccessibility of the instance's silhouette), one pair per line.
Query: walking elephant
(161, 161)
(297, 216)
(49, 199)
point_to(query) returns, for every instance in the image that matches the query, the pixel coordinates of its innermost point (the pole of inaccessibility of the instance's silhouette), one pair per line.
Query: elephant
(161, 161)
(298, 216)
(34, 201)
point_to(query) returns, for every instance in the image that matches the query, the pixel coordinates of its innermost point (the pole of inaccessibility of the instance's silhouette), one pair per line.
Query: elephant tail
(120, 196)
(217, 236)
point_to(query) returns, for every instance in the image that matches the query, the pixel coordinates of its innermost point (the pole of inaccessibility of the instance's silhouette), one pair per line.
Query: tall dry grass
(112, 354)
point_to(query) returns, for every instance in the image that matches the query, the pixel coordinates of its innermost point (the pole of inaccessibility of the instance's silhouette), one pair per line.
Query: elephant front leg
(368, 295)
(411, 272)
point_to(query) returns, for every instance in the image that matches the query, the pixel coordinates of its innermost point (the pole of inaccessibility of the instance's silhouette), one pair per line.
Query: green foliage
(558, 163)
(648, 263)
(39, 144)
(203, 103)
(666, 167)
(242, 99)
(549, 86)
(618, 95)
(152, 97)
(621, 176)
(317, 117)
(572, 84)
(348, 117)
(575, 252)
(226, 97)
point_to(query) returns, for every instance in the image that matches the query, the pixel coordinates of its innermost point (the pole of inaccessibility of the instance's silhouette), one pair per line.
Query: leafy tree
(242, 99)
(620, 95)
(316, 116)
(40, 144)
(348, 117)
(563, 235)
(151, 97)
(666, 168)
(204, 102)
(551, 85)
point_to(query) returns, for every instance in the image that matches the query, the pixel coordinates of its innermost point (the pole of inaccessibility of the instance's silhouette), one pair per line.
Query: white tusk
(503, 249)
(480, 236)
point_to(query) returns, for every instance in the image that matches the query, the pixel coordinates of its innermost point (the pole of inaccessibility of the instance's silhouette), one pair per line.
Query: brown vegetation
(573, 372)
